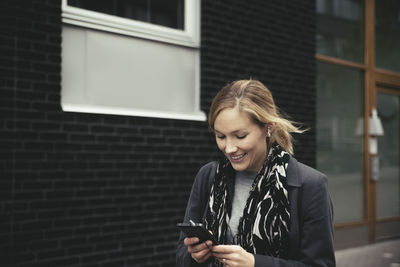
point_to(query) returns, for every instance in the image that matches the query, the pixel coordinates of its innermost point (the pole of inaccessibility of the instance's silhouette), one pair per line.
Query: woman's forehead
(232, 120)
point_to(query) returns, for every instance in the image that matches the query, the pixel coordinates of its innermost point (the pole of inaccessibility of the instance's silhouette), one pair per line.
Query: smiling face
(241, 140)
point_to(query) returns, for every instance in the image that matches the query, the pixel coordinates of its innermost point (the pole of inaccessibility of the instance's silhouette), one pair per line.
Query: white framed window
(171, 21)
(114, 65)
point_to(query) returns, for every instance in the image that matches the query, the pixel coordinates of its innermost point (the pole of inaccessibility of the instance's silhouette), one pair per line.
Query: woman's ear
(267, 130)
(270, 126)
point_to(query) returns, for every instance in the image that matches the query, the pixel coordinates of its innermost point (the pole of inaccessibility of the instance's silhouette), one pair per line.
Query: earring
(268, 133)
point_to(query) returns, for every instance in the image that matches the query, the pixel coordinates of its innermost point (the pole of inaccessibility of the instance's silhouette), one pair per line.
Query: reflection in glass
(387, 34)
(339, 143)
(169, 13)
(340, 29)
(388, 196)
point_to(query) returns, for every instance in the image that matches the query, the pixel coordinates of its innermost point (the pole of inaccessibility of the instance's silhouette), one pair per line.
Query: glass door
(388, 184)
(385, 96)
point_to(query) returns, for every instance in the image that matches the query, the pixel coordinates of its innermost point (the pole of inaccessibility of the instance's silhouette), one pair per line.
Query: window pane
(389, 160)
(102, 6)
(340, 29)
(169, 13)
(387, 27)
(137, 10)
(339, 141)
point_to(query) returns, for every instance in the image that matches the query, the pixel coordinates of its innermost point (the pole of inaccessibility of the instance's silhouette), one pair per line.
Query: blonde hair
(253, 97)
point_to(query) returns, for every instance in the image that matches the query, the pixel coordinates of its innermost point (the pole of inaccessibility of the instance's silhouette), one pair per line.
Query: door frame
(389, 83)
(374, 79)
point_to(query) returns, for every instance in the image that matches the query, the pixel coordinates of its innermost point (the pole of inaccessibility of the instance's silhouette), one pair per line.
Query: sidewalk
(381, 254)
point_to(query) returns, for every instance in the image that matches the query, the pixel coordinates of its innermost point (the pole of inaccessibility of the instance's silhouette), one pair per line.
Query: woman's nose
(230, 147)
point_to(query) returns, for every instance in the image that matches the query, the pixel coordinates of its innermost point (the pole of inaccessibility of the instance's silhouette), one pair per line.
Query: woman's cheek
(220, 145)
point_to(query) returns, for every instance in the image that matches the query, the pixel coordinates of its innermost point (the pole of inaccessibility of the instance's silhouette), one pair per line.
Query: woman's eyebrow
(217, 132)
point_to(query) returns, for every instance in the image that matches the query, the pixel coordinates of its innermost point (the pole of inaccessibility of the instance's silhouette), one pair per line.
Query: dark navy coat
(311, 217)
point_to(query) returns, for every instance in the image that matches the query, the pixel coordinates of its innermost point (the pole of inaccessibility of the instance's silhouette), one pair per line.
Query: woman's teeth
(237, 157)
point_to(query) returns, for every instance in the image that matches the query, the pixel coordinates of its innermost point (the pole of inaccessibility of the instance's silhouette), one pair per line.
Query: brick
(45, 87)
(59, 234)
(54, 97)
(25, 257)
(111, 263)
(93, 230)
(65, 194)
(21, 238)
(70, 261)
(68, 147)
(108, 139)
(44, 245)
(93, 258)
(50, 254)
(75, 127)
(150, 131)
(82, 138)
(54, 60)
(102, 129)
(122, 148)
(55, 78)
(44, 27)
(28, 195)
(80, 250)
(45, 126)
(52, 136)
(88, 193)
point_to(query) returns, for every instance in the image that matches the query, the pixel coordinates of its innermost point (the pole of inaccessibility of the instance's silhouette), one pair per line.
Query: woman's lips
(237, 158)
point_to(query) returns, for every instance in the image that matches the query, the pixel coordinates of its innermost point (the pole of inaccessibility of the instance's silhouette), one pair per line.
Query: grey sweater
(243, 182)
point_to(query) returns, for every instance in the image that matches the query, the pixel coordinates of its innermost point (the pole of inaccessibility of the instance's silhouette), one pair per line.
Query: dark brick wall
(102, 190)
(272, 41)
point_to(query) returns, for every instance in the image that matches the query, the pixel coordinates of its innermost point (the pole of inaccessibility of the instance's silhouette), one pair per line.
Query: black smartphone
(197, 230)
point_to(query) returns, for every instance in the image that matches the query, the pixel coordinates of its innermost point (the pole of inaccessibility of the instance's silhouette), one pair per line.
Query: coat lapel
(292, 173)
(294, 190)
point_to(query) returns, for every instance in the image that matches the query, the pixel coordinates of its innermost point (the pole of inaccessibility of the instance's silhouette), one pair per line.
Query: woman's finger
(225, 249)
(199, 247)
(201, 256)
(233, 256)
(189, 241)
(224, 261)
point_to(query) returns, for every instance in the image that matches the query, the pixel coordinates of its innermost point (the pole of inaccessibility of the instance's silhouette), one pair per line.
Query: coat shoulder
(209, 167)
(314, 184)
(309, 173)
(304, 175)
(205, 175)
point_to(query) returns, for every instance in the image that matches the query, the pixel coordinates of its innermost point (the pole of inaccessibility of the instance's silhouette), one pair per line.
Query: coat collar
(292, 173)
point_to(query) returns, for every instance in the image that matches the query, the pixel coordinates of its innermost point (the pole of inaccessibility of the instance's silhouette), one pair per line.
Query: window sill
(194, 116)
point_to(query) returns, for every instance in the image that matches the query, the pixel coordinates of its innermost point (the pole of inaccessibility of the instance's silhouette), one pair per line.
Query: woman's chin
(239, 166)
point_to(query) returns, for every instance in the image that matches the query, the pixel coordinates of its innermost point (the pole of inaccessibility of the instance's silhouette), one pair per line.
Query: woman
(263, 206)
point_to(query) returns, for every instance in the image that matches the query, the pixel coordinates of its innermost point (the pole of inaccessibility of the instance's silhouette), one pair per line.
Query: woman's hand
(232, 256)
(200, 251)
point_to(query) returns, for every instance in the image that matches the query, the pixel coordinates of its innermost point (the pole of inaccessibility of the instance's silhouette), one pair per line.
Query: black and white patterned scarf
(264, 225)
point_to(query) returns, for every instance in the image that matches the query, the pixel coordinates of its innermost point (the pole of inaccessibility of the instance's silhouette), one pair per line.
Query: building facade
(97, 164)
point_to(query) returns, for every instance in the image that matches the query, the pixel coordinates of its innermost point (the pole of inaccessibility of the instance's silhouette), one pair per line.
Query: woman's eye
(220, 136)
(241, 136)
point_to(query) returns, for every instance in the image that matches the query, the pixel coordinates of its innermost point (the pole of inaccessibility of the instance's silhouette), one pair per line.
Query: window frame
(189, 37)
